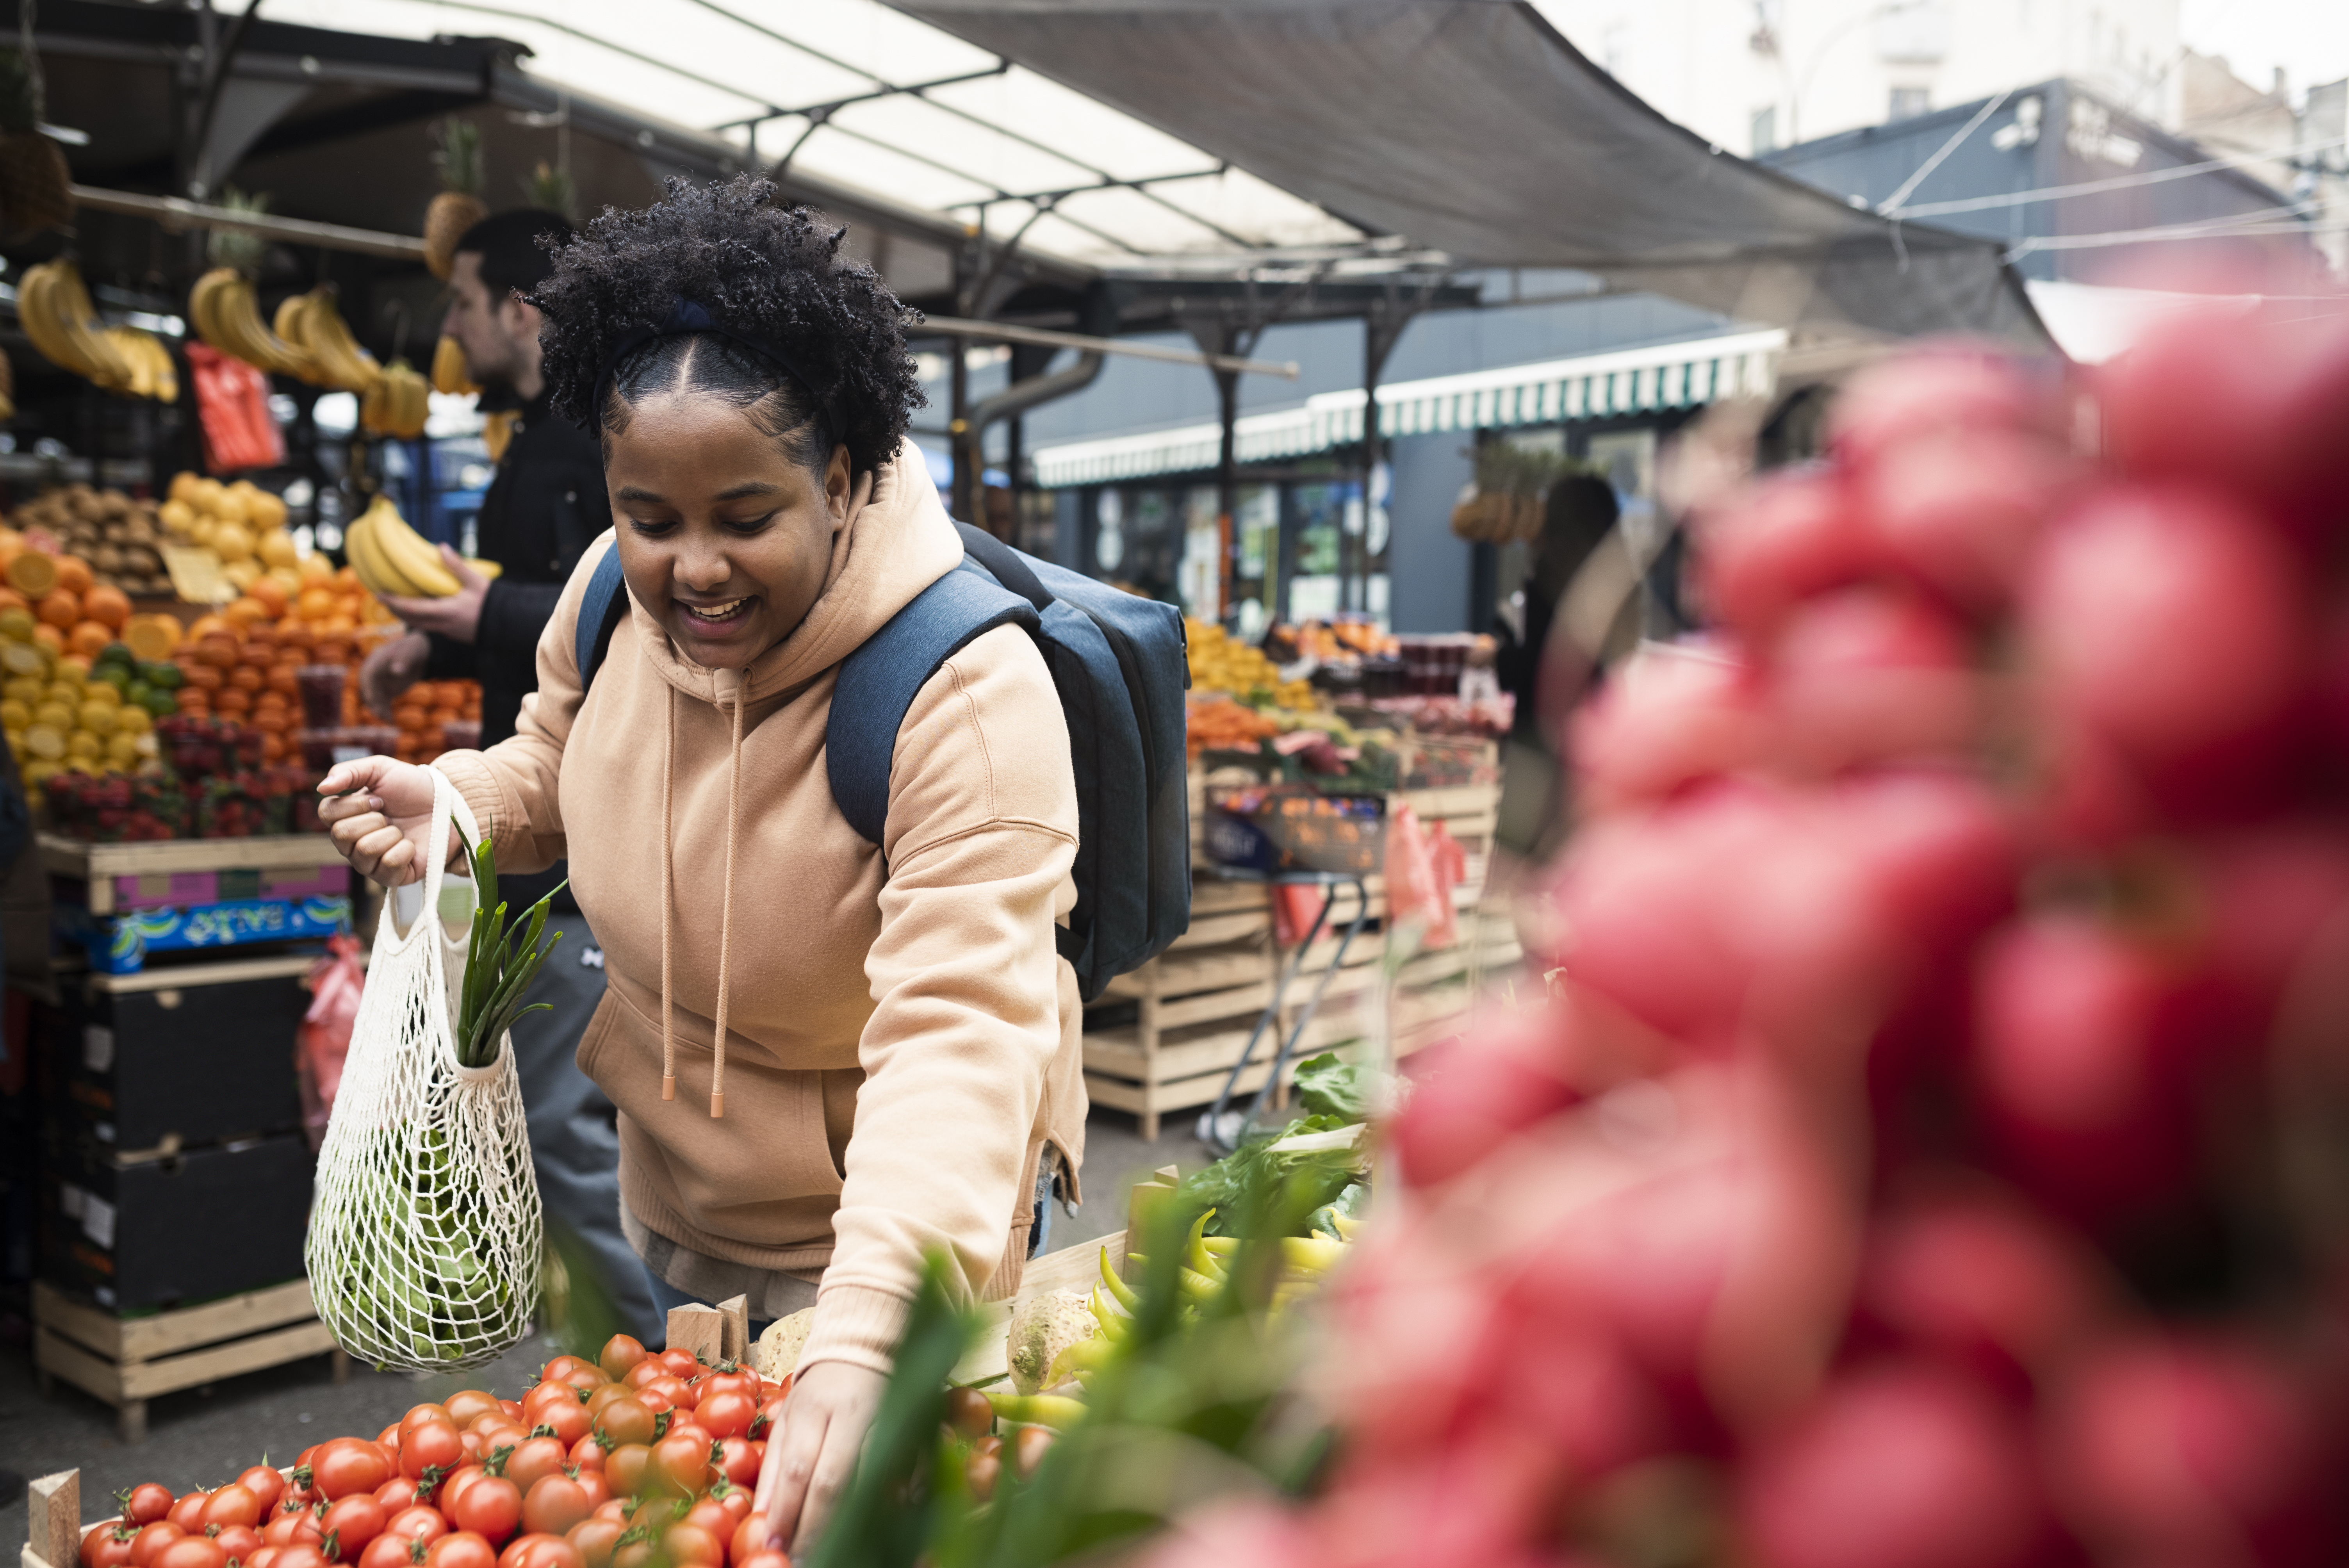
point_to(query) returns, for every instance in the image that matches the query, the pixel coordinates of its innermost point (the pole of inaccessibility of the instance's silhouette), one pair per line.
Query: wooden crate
(128, 1361)
(1195, 1005)
(99, 866)
(1435, 994)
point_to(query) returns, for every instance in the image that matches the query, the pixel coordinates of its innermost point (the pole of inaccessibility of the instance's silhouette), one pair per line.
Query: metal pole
(965, 467)
(1227, 489)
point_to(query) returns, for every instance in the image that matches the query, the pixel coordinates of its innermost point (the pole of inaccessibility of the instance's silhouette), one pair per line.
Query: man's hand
(458, 616)
(391, 669)
(811, 1455)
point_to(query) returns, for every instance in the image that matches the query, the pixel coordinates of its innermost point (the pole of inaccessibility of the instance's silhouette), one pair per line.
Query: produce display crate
(114, 877)
(127, 1361)
(1435, 992)
(1197, 990)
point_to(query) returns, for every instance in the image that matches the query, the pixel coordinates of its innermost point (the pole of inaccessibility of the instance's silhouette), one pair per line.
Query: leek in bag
(425, 1240)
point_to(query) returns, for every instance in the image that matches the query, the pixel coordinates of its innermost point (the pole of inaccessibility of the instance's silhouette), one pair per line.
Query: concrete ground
(204, 1436)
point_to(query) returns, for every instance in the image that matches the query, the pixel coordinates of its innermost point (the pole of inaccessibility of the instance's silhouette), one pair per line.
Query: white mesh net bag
(425, 1232)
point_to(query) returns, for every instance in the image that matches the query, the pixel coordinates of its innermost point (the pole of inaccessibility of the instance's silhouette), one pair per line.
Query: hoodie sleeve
(515, 786)
(981, 834)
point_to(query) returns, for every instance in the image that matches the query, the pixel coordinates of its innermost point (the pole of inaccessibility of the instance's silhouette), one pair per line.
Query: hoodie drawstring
(733, 684)
(669, 780)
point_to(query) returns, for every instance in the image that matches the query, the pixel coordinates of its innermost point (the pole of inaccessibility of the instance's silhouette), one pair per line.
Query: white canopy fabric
(1587, 386)
(1004, 147)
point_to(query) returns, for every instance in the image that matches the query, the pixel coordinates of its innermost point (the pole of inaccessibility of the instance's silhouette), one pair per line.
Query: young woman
(830, 1057)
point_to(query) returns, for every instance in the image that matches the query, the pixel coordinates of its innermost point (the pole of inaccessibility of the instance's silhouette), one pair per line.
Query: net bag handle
(448, 806)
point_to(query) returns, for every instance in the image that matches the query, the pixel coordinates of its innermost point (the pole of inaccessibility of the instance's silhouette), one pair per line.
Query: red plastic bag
(1422, 868)
(324, 1039)
(1293, 908)
(233, 406)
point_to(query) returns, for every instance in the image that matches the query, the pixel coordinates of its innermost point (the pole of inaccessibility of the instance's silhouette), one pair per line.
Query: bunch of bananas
(450, 373)
(58, 316)
(228, 317)
(396, 404)
(311, 324)
(393, 558)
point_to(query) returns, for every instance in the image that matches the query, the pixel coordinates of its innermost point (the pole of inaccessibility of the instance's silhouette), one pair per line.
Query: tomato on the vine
(739, 1459)
(107, 1546)
(434, 1445)
(147, 1503)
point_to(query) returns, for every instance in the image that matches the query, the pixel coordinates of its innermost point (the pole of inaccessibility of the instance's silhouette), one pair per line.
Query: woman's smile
(717, 615)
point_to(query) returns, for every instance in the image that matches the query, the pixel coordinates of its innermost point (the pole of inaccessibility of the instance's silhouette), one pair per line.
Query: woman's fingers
(337, 808)
(791, 1465)
(363, 774)
(833, 1466)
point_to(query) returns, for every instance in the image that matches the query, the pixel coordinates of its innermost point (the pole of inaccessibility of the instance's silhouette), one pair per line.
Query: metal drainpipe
(1014, 400)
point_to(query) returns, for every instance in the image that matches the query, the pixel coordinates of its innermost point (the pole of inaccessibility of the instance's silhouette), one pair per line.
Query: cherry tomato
(625, 1421)
(420, 1414)
(151, 1540)
(513, 1407)
(107, 1546)
(770, 1416)
(554, 1504)
(351, 1522)
(192, 1551)
(627, 1468)
(710, 1517)
(395, 1494)
(301, 1554)
(673, 1389)
(621, 1353)
(545, 1395)
(490, 1508)
(239, 1540)
(288, 1528)
(454, 1487)
(420, 1523)
(984, 1468)
(734, 1500)
(388, 1551)
(726, 1414)
(264, 1558)
(265, 1483)
(679, 1362)
(463, 1549)
(749, 1538)
(741, 1380)
(645, 1371)
(685, 1426)
(592, 1482)
(690, 1546)
(586, 1379)
(588, 1454)
(147, 1502)
(390, 1437)
(534, 1458)
(348, 1465)
(232, 1504)
(682, 1462)
(297, 1495)
(652, 1399)
(739, 1459)
(468, 1405)
(1028, 1448)
(594, 1539)
(570, 1422)
(552, 1551)
(188, 1514)
(553, 1371)
(434, 1445)
(603, 1399)
(764, 1560)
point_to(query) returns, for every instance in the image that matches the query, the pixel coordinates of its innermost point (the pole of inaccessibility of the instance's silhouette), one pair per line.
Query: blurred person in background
(546, 505)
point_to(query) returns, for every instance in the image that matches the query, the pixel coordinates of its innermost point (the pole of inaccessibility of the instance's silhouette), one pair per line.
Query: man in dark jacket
(546, 505)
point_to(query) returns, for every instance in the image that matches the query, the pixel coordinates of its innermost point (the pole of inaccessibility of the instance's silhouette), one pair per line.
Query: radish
(1867, 674)
(1951, 385)
(1959, 513)
(1793, 535)
(1670, 716)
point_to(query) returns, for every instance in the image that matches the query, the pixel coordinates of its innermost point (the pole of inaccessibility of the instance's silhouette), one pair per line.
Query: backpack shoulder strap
(879, 681)
(600, 613)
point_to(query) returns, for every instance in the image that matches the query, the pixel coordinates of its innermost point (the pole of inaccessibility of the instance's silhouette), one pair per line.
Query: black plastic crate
(200, 1223)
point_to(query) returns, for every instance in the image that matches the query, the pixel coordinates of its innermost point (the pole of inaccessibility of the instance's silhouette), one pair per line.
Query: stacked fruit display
(632, 1459)
(72, 611)
(119, 537)
(1221, 662)
(55, 308)
(1929, 1152)
(62, 714)
(242, 526)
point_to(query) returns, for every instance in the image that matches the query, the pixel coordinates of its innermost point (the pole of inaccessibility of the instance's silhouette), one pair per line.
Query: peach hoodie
(899, 1037)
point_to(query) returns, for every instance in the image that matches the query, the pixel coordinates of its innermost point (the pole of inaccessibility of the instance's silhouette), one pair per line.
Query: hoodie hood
(897, 542)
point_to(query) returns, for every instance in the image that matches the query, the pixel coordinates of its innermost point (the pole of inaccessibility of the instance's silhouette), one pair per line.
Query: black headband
(687, 317)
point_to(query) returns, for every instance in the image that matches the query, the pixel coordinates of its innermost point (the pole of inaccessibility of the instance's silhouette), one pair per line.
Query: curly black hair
(768, 273)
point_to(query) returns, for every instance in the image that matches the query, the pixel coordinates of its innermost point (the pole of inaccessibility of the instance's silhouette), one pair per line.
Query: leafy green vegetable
(499, 968)
(1240, 1182)
(1349, 1090)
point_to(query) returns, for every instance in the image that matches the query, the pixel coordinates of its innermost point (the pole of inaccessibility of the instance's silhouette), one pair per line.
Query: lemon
(133, 719)
(24, 659)
(147, 747)
(14, 715)
(106, 694)
(17, 626)
(45, 741)
(81, 743)
(99, 719)
(26, 690)
(177, 517)
(67, 690)
(55, 714)
(123, 751)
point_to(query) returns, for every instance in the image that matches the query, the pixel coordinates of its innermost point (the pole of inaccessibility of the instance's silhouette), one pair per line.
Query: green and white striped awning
(1684, 375)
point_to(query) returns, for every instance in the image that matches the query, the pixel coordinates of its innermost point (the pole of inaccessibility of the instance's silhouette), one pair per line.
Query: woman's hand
(811, 1458)
(380, 812)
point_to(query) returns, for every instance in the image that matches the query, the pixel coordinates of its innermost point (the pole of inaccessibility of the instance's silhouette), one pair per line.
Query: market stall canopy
(1473, 128)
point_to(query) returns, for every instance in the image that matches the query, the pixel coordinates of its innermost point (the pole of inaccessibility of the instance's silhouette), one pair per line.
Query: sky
(2309, 38)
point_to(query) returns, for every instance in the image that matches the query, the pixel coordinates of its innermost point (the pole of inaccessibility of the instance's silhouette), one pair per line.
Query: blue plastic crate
(121, 944)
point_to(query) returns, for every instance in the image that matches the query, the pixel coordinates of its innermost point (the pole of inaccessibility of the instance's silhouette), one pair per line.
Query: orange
(270, 593)
(33, 574)
(315, 603)
(49, 637)
(60, 607)
(152, 637)
(12, 599)
(338, 626)
(233, 702)
(72, 667)
(201, 676)
(245, 611)
(89, 638)
(74, 573)
(217, 649)
(273, 748)
(108, 604)
(205, 625)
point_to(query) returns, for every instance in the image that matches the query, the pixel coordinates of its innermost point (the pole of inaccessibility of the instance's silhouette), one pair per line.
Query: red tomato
(434, 1445)
(585, 1377)
(743, 1381)
(1027, 1449)
(682, 1462)
(188, 1514)
(736, 1502)
(542, 1394)
(390, 1551)
(570, 1422)
(552, 1551)
(592, 1482)
(626, 1468)
(151, 1540)
(301, 1554)
(688, 1546)
(148, 1502)
(594, 1539)
(265, 1483)
(454, 1487)
(627, 1421)
(462, 1550)
(687, 1427)
(679, 1363)
(232, 1504)
(351, 1522)
(554, 1504)
(265, 1558)
(288, 1528)
(749, 1538)
(420, 1523)
(395, 1494)
(490, 1508)
(770, 1416)
(645, 1371)
(652, 1399)
(556, 1370)
(673, 1389)
(239, 1540)
(739, 1459)
(107, 1546)
(621, 1356)
(468, 1406)
(587, 1454)
(534, 1458)
(420, 1414)
(390, 1438)
(348, 1465)
(192, 1551)
(727, 1413)
(513, 1407)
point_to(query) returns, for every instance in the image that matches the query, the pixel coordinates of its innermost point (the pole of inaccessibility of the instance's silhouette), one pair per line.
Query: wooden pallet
(1195, 1005)
(1436, 992)
(127, 1361)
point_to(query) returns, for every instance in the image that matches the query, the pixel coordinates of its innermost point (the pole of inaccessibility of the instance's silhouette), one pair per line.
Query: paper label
(70, 1199)
(98, 1047)
(97, 1220)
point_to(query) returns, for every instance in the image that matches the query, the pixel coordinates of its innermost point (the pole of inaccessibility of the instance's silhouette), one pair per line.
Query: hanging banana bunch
(448, 372)
(55, 308)
(228, 317)
(396, 404)
(311, 322)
